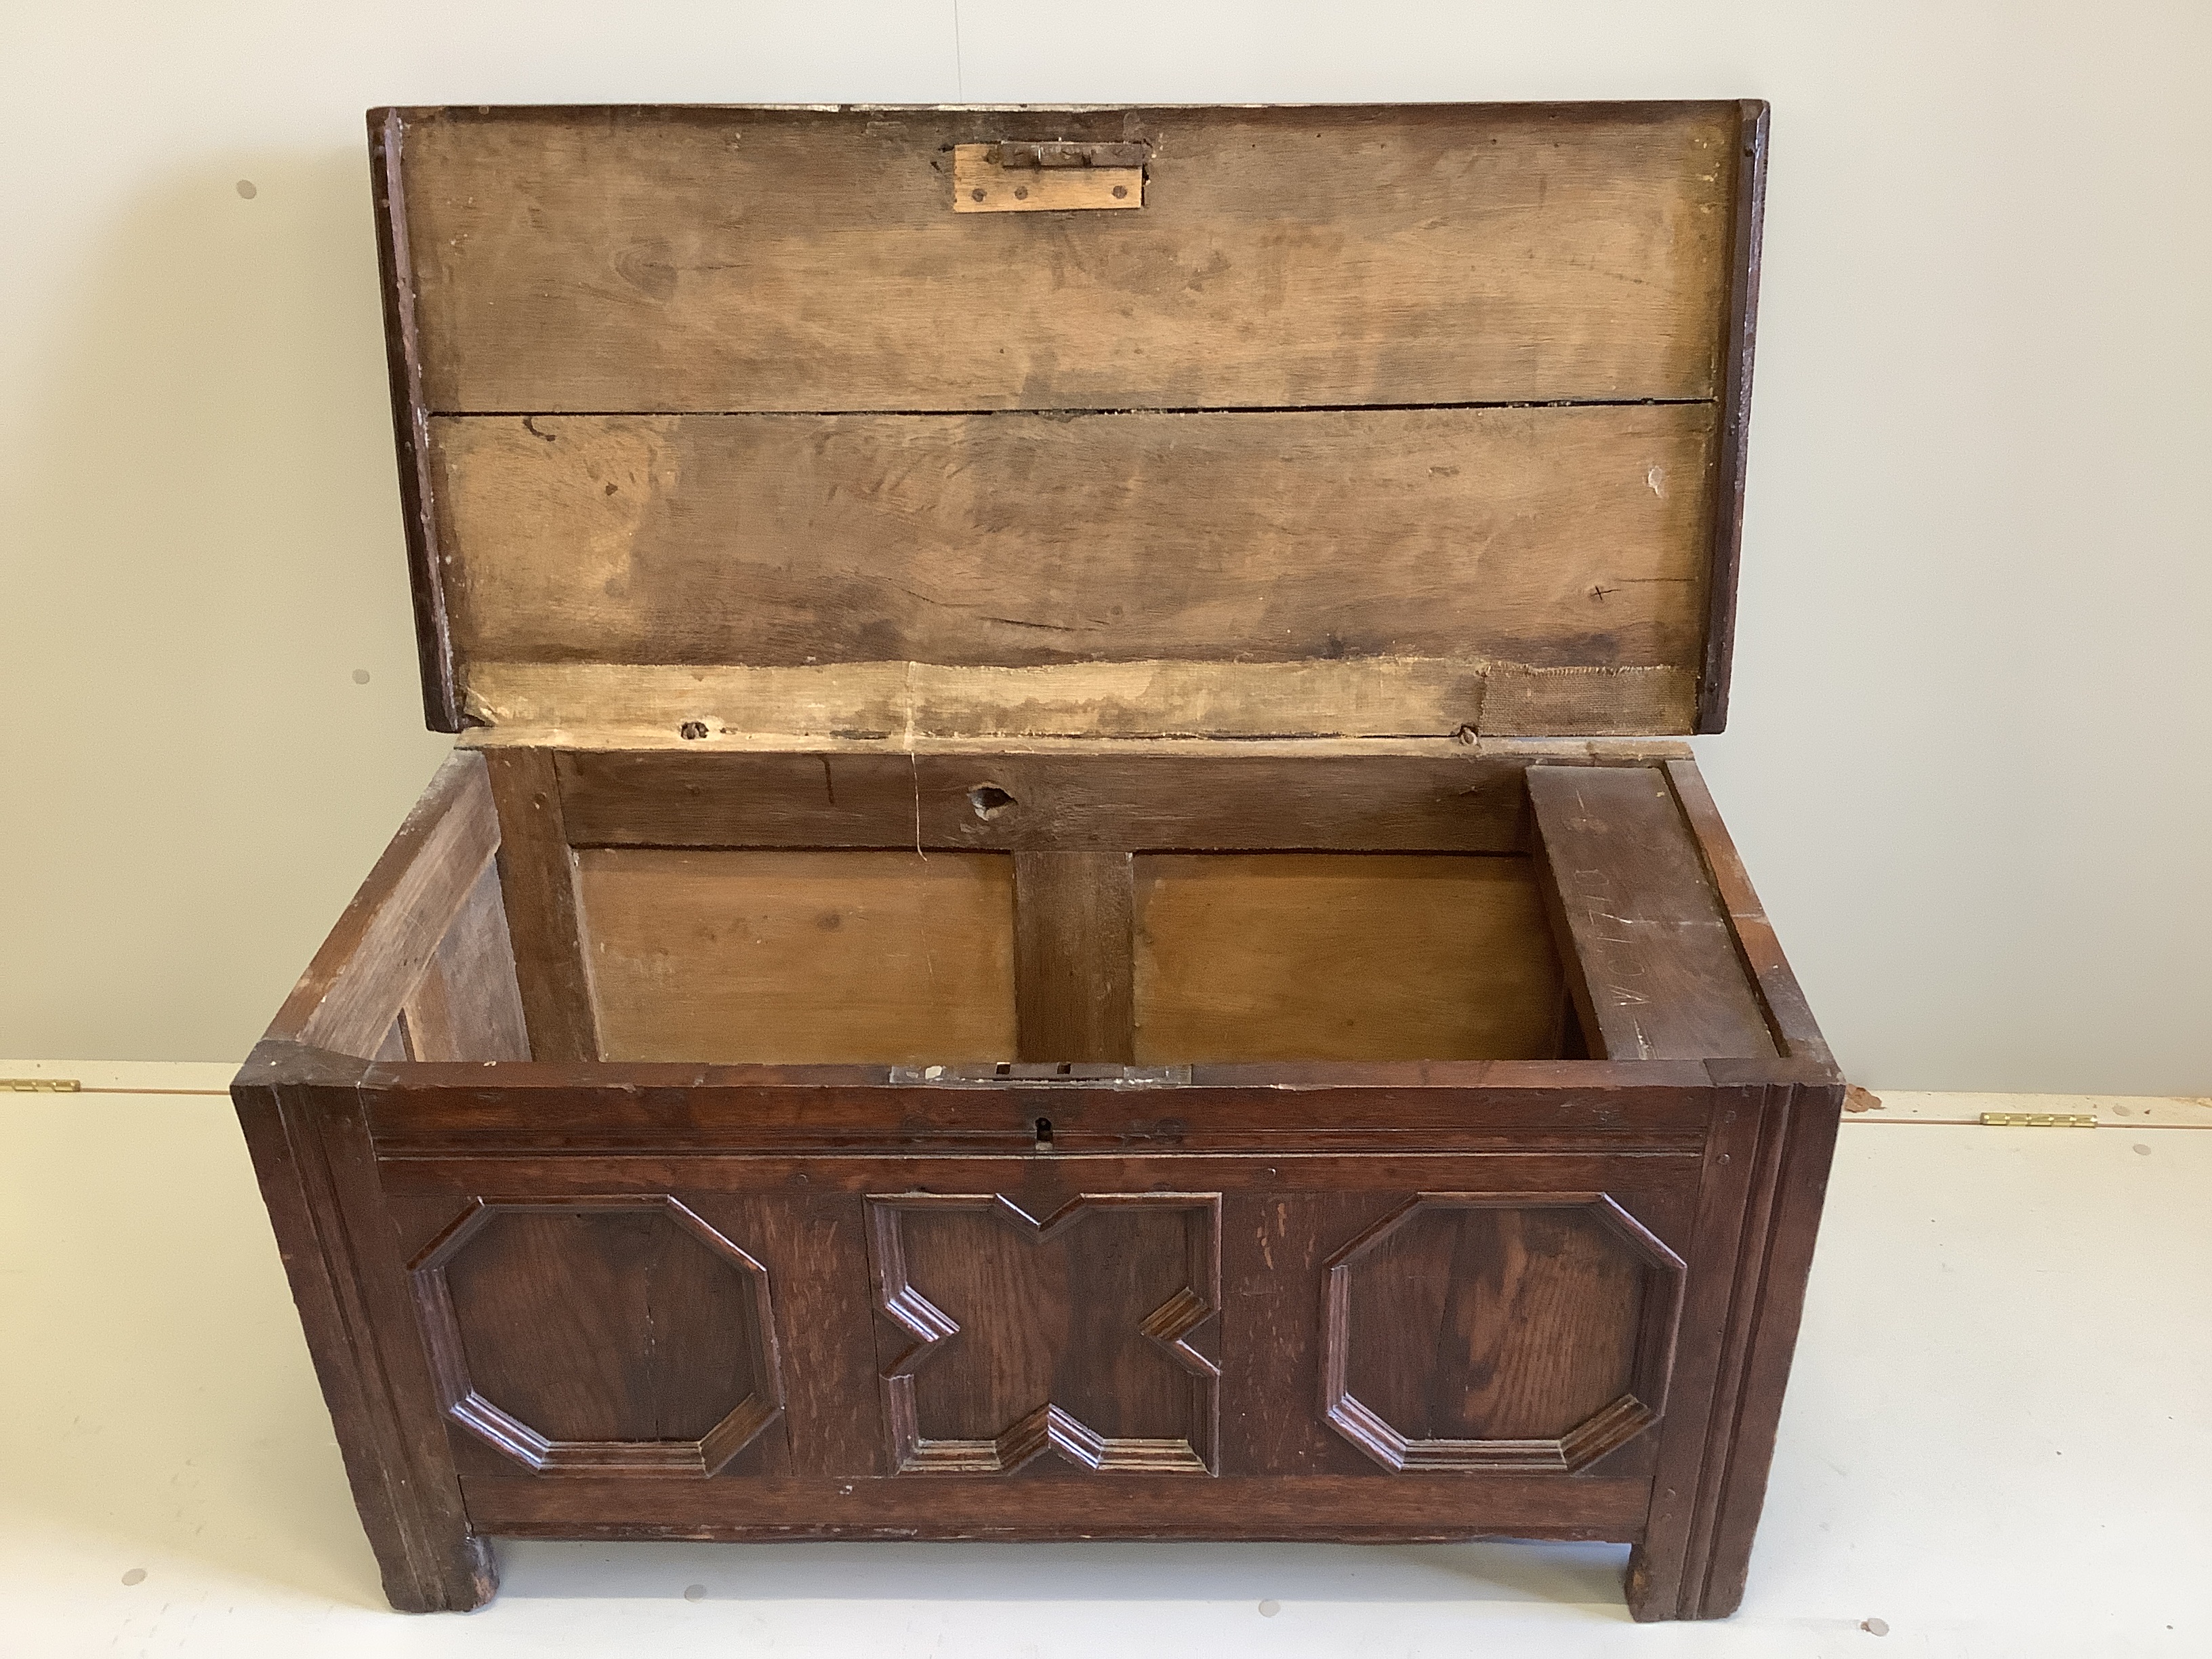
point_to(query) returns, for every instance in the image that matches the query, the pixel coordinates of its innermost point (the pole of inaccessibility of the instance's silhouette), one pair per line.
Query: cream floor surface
(1998, 1442)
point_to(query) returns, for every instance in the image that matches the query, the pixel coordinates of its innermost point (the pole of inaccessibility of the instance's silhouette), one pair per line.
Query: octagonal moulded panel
(606, 1335)
(1500, 1331)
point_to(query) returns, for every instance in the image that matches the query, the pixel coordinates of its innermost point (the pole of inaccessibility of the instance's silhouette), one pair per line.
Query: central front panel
(1072, 1334)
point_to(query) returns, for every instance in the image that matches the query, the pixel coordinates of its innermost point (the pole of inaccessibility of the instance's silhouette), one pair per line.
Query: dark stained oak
(592, 1333)
(302, 1116)
(1063, 919)
(410, 423)
(1382, 1270)
(1081, 802)
(1500, 1331)
(1013, 1335)
(1749, 162)
(1340, 1508)
(1657, 972)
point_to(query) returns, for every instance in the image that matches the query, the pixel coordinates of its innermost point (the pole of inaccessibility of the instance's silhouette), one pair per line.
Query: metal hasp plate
(1066, 1074)
(1046, 177)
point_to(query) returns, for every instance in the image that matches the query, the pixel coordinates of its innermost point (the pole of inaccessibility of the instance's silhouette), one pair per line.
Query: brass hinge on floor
(40, 1086)
(2038, 1121)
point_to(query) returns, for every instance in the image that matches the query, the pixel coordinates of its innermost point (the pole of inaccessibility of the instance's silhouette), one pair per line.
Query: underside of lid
(1336, 422)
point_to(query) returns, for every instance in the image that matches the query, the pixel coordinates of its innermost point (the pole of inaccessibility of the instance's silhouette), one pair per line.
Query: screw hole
(989, 800)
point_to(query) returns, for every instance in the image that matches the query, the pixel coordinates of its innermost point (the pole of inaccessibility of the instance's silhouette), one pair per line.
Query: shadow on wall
(207, 549)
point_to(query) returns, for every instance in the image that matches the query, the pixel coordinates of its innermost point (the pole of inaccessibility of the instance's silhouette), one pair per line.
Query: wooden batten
(902, 704)
(1359, 422)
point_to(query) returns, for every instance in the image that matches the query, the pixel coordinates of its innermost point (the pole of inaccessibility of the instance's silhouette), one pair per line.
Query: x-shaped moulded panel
(760, 1405)
(1651, 1360)
(1044, 1425)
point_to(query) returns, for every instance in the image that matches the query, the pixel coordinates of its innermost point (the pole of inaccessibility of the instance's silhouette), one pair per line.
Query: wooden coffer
(1068, 904)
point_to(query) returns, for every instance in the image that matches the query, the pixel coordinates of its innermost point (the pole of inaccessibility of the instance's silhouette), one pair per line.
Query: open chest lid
(859, 424)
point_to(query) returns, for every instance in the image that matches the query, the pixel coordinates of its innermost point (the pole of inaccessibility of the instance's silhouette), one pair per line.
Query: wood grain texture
(1786, 1011)
(1013, 1335)
(468, 1005)
(395, 259)
(347, 1000)
(301, 1111)
(711, 259)
(537, 877)
(1658, 1106)
(907, 705)
(1494, 1332)
(1137, 598)
(622, 1334)
(1341, 956)
(1652, 960)
(795, 956)
(1545, 537)
(1453, 801)
(1363, 1508)
(1766, 1178)
(1073, 937)
(1735, 436)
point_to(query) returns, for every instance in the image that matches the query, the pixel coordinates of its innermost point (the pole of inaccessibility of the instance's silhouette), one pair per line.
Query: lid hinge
(1047, 177)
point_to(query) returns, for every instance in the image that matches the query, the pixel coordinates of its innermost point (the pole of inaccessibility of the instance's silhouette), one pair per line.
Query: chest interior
(1158, 910)
(1135, 587)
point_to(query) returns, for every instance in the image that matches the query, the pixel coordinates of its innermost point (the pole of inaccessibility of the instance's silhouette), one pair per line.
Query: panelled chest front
(1068, 905)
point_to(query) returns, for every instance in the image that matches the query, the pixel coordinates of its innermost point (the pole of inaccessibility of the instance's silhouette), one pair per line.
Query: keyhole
(1044, 1134)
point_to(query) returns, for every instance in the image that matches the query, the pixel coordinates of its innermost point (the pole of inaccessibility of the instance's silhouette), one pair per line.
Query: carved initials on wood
(1071, 1334)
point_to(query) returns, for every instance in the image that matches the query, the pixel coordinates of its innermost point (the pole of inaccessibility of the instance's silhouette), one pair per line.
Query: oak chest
(1068, 905)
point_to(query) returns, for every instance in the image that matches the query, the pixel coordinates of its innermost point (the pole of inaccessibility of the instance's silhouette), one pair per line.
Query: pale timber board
(907, 705)
(1342, 956)
(1548, 538)
(800, 957)
(705, 259)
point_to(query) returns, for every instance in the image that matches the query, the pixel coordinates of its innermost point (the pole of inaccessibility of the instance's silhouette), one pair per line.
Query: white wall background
(1969, 762)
